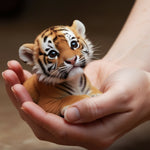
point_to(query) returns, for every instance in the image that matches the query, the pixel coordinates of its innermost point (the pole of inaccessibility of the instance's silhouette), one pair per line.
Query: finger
(63, 132)
(21, 94)
(10, 79)
(60, 130)
(38, 131)
(42, 118)
(94, 108)
(17, 68)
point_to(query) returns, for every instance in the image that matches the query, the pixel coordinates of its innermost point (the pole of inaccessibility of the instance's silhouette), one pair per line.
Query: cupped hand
(124, 90)
(107, 117)
(125, 101)
(47, 126)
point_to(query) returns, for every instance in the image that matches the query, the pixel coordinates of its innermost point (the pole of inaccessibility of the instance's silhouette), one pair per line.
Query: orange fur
(48, 92)
(52, 99)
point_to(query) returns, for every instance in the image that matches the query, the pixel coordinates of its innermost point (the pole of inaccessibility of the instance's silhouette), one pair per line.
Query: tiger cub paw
(63, 111)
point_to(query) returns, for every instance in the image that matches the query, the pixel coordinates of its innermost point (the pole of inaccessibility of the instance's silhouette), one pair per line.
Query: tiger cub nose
(71, 60)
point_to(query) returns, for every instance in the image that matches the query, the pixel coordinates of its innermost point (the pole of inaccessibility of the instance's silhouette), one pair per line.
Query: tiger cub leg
(57, 106)
(52, 105)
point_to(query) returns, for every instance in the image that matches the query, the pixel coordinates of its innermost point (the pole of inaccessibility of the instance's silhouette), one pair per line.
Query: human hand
(14, 76)
(98, 134)
(124, 103)
(48, 126)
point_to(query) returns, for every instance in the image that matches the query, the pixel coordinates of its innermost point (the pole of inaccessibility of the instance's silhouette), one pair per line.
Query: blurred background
(21, 21)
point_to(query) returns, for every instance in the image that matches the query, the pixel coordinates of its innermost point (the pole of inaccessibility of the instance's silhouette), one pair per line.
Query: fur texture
(58, 56)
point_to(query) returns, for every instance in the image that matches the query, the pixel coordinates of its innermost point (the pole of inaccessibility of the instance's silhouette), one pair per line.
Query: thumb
(90, 109)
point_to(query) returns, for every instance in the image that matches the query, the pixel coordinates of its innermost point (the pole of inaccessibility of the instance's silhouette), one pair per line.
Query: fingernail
(8, 64)
(12, 89)
(63, 110)
(72, 114)
(3, 75)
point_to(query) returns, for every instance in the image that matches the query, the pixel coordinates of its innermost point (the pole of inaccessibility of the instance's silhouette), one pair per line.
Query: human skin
(126, 93)
(123, 77)
(130, 50)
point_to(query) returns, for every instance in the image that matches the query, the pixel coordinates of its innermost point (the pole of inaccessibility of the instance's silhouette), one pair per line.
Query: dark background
(21, 21)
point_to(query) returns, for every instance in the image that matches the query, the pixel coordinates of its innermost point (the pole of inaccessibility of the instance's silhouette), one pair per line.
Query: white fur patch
(48, 45)
(69, 36)
(75, 71)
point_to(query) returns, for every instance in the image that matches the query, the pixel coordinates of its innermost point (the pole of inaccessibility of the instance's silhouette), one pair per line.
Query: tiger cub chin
(58, 56)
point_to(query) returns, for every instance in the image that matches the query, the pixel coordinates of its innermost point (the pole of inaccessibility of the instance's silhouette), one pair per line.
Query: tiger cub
(58, 56)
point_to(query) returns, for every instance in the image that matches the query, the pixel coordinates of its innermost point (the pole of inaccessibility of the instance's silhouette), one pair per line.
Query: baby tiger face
(59, 53)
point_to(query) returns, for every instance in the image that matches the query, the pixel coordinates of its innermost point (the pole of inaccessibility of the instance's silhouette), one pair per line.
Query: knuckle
(93, 109)
(89, 109)
(124, 95)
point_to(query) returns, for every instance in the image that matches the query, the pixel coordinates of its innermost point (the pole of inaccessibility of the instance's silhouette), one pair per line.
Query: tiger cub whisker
(58, 56)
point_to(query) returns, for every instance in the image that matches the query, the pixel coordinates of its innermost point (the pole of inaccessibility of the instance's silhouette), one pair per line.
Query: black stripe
(87, 52)
(82, 46)
(40, 53)
(63, 29)
(49, 46)
(83, 60)
(45, 59)
(44, 32)
(87, 90)
(84, 83)
(52, 28)
(45, 38)
(50, 68)
(49, 61)
(81, 81)
(60, 35)
(42, 67)
(67, 86)
(64, 90)
(46, 49)
(55, 66)
(64, 75)
(54, 39)
(83, 64)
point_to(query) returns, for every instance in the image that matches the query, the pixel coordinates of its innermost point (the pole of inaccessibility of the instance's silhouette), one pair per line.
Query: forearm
(132, 47)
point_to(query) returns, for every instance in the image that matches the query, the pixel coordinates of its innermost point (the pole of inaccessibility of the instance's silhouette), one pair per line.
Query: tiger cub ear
(79, 27)
(26, 53)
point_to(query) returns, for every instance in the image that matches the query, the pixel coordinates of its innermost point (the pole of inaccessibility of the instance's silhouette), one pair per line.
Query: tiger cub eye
(52, 54)
(74, 44)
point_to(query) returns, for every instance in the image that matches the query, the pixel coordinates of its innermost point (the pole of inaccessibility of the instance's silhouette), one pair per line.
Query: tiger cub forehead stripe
(48, 44)
(69, 36)
(45, 38)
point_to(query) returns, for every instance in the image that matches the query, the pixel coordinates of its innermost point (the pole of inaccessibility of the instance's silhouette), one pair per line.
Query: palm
(98, 72)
